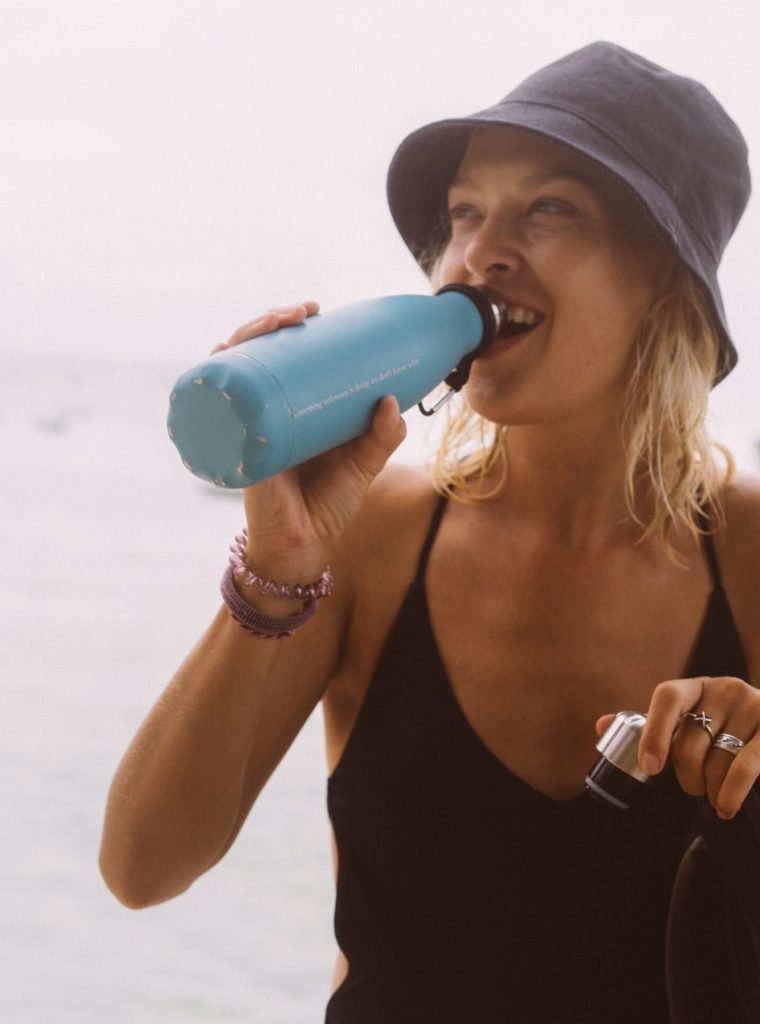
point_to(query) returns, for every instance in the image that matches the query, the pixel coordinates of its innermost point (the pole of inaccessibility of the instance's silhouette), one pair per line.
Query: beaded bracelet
(317, 590)
(259, 624)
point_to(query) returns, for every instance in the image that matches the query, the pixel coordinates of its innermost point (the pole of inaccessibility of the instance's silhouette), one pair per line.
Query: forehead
(519, 156)
(514, 149)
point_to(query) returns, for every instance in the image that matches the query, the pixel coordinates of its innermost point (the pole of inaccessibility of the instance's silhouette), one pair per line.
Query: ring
(731, 744)
(702, 719)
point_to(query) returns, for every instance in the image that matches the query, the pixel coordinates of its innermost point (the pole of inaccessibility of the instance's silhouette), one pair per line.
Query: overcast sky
(171, 167)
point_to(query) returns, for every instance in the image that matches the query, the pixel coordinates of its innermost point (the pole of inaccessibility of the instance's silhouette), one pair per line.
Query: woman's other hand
(676, 729)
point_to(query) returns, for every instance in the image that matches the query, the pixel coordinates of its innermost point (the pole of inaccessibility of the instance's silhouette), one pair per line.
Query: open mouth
(514, 319)
(518, 320)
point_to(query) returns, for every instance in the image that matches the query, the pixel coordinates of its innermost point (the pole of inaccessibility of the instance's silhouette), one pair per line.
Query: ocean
(110, 571)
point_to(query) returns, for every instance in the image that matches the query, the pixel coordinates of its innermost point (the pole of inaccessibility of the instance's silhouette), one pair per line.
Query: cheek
(637, 268)
(633, 298)
(449, 266)
(612, 297)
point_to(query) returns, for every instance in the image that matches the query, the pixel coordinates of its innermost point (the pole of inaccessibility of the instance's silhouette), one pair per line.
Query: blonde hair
(668, 451)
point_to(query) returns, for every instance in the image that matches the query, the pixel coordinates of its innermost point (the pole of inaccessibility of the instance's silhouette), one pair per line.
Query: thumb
(603, 723)
(388, 430)
(388, 427)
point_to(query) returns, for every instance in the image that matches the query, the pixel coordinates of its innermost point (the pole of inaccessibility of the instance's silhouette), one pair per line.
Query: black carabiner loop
(441, 401)
(490, 306)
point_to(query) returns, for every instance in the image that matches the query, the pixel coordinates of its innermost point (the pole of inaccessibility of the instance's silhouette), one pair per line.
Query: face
(577, 262)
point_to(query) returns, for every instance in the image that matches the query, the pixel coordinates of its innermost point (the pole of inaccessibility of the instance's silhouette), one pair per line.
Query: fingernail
(650, 763)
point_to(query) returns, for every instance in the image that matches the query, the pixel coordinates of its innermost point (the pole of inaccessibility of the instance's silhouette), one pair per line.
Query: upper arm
(739, 552)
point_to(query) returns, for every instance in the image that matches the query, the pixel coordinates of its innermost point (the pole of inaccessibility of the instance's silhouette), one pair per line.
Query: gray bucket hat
(665, 136)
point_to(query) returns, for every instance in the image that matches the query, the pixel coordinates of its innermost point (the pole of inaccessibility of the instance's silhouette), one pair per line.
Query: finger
(739, 780)
(388, 430)
(669, 702)
(690, 754)
(603, 724)
(732, 706)
(294, 314)
(270, 321)
(264, 324)
(717, 762)
(739, 774)
(311, 307)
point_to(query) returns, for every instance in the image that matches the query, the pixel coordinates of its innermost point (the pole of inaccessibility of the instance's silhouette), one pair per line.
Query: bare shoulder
(741, 536)
(399, 489)
(739, 553)
(739, 539)
(392, 522)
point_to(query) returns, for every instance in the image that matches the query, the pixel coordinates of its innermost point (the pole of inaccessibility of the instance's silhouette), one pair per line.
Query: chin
(493, 397)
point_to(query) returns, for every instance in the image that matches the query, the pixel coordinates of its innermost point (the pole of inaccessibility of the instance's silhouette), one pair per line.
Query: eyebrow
(542, 179)
(566, 174)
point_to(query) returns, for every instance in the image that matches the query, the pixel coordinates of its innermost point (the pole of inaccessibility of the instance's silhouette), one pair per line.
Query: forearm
(194, 768)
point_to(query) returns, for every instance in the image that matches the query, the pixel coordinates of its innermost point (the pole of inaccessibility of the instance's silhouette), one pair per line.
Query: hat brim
(427, 160)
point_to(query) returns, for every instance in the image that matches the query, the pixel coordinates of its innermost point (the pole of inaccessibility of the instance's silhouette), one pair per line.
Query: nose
(494, 250)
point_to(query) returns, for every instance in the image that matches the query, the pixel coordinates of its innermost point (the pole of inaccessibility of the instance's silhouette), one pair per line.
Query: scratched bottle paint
(268, 404)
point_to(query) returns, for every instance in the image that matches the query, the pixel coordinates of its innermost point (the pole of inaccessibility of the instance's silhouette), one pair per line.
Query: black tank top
(464, 895)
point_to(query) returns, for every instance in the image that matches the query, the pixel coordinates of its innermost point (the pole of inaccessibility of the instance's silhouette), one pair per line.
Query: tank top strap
(712, 560)
(432, 532)
(708, 543)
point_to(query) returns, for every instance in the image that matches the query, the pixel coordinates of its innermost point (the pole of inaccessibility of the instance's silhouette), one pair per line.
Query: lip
(500, 345)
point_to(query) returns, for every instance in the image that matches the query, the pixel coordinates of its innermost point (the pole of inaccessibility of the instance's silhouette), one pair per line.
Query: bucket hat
(663, 135)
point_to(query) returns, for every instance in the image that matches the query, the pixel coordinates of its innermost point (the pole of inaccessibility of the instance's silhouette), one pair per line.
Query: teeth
(521, 315)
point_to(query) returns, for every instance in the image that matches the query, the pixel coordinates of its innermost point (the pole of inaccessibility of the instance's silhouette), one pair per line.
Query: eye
(461, 211)
(550, 205)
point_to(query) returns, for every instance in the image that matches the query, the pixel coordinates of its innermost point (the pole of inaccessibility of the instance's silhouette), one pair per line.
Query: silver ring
(701, 719)
(731, 744)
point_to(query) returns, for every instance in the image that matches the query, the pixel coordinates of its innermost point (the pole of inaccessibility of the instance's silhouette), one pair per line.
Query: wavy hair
(668, 451)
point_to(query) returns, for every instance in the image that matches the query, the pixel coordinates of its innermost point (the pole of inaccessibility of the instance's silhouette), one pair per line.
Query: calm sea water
(110, 565)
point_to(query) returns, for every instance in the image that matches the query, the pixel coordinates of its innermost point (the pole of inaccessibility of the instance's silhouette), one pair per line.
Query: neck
(570, 487)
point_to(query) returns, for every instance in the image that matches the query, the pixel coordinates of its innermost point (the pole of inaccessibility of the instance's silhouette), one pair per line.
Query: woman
(591, 555)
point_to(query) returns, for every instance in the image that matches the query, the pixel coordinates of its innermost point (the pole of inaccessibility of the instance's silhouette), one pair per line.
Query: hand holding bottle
(295, 518)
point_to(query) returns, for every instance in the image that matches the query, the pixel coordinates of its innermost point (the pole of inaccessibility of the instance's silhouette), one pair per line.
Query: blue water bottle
(268, 404)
